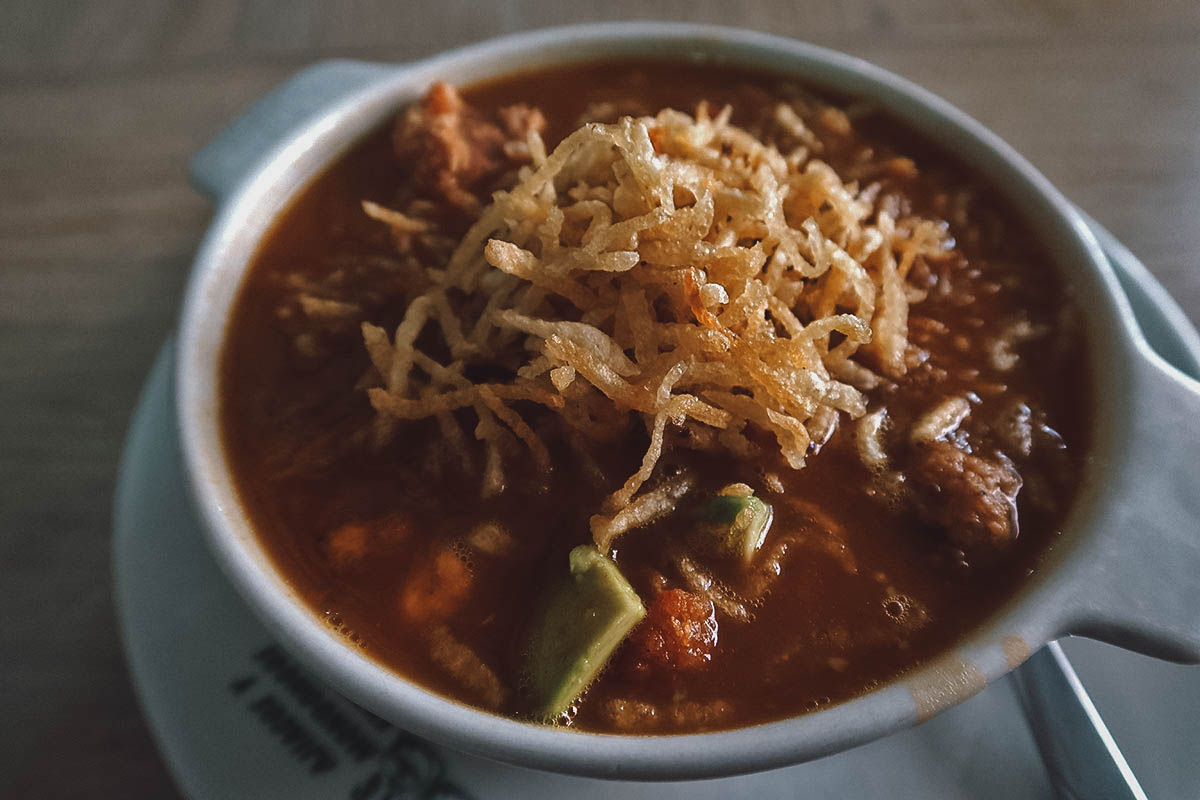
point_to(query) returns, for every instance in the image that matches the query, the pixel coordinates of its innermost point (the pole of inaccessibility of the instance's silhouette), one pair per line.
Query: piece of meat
(698, 715)
(455, 151)
(679, 632)
(518, 120)
(974, 499)
(631, 715)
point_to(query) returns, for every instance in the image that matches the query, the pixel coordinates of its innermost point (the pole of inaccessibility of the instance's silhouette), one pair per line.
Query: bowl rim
(1034, 615)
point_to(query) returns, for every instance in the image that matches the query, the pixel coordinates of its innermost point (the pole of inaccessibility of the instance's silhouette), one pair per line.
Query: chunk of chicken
(455, 150)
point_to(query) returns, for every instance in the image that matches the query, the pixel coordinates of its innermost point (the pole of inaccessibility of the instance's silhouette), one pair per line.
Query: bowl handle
(1138, 584)
(221, 166)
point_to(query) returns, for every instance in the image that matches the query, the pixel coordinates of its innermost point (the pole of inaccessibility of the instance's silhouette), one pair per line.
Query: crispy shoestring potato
(672, 269)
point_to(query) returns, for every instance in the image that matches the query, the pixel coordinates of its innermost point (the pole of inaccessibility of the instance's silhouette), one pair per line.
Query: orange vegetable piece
(436, 588)
(347, 544)
(679, 632)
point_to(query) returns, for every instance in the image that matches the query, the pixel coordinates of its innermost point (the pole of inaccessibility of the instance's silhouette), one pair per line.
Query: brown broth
(824, 634)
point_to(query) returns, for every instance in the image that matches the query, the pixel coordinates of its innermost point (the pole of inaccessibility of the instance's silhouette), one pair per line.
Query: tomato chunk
(679, 632)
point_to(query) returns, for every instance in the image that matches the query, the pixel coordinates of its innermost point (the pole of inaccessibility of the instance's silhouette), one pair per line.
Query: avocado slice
(587, 616)
(741, 523)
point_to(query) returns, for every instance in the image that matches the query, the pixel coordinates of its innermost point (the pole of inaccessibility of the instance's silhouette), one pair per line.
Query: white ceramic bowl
(1126, 568)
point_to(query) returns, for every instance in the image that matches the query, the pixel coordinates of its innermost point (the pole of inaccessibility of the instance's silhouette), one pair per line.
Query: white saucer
(235, 717)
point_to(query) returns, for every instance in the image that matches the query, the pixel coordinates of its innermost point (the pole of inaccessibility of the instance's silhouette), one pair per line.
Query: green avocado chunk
(741, 522)
(586, 618)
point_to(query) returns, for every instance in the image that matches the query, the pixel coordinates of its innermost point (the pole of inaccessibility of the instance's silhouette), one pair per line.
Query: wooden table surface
(102, 104)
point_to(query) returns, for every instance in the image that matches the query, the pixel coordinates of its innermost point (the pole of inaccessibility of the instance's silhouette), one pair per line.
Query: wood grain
(101, 105)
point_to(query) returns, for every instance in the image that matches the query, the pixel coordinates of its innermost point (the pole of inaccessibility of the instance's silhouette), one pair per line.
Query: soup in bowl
(620, 382)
